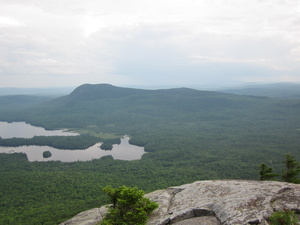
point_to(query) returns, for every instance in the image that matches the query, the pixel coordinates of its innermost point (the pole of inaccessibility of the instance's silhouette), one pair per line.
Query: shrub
(128, 206)
(286, 217)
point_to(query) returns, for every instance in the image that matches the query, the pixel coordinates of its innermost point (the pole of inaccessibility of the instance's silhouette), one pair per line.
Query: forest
(189, 135)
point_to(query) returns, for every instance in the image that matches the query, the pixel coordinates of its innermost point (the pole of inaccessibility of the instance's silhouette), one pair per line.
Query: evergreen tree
(291, 170)
(266, 172)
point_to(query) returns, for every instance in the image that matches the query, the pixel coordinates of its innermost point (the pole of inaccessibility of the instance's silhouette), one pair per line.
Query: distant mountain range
(273, 90)
(277, 90)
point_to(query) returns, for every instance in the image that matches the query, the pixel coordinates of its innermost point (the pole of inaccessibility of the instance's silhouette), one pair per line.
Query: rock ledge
(214, 202)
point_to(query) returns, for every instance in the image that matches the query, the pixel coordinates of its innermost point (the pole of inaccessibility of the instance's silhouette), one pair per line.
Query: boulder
(214, 202)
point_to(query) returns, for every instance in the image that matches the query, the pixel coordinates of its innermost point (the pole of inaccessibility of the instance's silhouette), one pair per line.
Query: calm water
(122, 151)
(25, 130)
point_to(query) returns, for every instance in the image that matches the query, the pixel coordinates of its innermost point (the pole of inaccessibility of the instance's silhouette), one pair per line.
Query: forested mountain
(106, 104)
(189, 135)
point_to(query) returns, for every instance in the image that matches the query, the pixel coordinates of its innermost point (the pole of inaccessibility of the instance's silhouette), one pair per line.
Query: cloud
(6, 22)
(69, 42)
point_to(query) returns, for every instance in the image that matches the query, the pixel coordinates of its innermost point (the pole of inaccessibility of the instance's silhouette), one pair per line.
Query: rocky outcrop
(214, 202)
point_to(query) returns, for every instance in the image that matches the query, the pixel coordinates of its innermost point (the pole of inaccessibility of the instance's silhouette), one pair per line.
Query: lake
(25, 130)
(122, 151)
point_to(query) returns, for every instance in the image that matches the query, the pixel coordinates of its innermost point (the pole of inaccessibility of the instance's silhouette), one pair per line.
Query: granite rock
(214, 202)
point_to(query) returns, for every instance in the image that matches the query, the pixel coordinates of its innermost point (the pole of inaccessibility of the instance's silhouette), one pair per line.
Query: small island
(47, 154)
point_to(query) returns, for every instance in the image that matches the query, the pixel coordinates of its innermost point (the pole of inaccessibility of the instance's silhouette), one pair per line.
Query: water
(25, 130)
(122, 151)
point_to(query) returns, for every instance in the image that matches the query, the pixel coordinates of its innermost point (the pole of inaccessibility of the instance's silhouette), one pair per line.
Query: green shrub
(286, 217)
(128, 206)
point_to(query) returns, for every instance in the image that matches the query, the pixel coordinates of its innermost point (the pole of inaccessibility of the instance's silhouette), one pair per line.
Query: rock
(89, 217)
(203, 220)
(214, 202)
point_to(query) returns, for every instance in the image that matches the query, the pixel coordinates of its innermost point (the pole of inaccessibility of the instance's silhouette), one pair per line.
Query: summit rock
(213, 202)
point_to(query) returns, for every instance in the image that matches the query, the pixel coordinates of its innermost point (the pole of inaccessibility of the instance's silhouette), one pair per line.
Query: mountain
(276, 90)
(102, 91)
(102, 104)
(180, 113)
(92, 92)
(107, 92)
(126, 110)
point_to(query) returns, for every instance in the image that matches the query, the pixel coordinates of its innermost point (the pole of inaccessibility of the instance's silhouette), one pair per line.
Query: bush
(286, 217)
(128, 206)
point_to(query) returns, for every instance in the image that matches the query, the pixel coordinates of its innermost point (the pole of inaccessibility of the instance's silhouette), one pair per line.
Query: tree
(128, 206)
(266, 172)
(106, 146)
(291, 170)
(47, 154)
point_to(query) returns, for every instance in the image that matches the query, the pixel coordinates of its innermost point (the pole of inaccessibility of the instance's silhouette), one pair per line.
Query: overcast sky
(187, 43)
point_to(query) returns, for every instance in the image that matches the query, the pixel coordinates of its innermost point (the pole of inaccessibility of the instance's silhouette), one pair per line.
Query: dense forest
(189, 135)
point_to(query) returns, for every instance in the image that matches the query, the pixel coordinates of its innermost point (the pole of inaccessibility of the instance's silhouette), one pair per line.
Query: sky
(205, 43)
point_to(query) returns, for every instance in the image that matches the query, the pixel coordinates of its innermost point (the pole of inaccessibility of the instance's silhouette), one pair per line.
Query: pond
(122, 151)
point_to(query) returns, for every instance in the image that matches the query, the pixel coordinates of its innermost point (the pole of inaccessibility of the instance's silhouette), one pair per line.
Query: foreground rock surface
(213, 202)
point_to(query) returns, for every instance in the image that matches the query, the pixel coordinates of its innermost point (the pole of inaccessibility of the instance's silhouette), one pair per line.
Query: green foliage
(108, 143)
(289, 173)
(106, 146)
(286, 217)
(60, 142)
(47, 154)
(128, 206)
(291, 170)
(266, 172)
